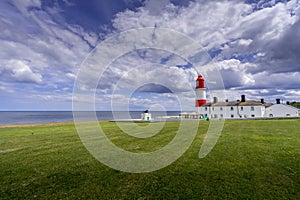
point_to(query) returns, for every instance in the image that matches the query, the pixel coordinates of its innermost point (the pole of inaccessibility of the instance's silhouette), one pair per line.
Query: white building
(240, 109)
(243, 109)
(282, 110)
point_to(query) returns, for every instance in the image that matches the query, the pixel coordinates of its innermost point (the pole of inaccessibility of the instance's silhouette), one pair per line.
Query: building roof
(268, 104)
(288, 106)
(250, 103)
(238, 103)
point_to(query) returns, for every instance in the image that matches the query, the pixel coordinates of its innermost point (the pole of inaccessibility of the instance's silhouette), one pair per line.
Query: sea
(37, 117)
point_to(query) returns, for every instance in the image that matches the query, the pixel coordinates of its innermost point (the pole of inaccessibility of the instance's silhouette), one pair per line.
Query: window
(221, 108)
(205, 108)
(232, 116)
(252, 115)
(213, 108)
(288, 115)
(252, 108)
(270, 115)
(215, 116)
(221, 115)
(242, 108)
(231, 108)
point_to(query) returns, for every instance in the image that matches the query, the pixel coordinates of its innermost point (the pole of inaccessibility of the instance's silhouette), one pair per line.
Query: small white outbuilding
(146, 116)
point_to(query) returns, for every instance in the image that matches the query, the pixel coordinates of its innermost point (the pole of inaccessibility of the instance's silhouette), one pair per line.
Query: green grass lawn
(252, 160)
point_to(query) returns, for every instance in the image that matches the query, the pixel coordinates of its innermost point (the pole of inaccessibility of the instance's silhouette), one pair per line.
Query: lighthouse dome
(200, 82)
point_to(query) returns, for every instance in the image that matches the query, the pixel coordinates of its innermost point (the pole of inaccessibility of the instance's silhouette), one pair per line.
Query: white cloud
(37, 48)
(19, 71)
(138, 68)
(278, 81)
(235, 73)
(245, 42)
(209, 23)
(5, 88)
(156, 7)
(71, 75)
(217, 23)
(242, 30)
(24, 5)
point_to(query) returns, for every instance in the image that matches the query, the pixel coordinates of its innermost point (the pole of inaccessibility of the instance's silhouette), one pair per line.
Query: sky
(44, 45)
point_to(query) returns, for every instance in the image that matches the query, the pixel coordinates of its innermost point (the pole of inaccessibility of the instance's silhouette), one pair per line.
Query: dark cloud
(283, 55)
(154, 88)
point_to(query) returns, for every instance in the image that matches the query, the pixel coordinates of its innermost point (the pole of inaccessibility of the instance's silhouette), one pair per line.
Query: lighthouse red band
(200, 92)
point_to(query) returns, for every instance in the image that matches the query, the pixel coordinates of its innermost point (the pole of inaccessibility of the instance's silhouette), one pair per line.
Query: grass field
(252, 160)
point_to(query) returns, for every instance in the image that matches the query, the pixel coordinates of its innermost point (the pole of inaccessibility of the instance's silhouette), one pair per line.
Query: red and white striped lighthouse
(200, 92)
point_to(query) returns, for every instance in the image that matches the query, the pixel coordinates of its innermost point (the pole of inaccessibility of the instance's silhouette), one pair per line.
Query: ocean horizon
(37, 117)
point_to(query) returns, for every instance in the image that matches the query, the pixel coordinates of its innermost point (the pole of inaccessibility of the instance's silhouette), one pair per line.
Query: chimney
(262, 101)
(288, 103)
(226, 100)
(243, 98)
(277, 101)
(215, 99)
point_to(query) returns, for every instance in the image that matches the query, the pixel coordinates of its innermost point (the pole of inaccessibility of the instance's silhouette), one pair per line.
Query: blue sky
(255, 45)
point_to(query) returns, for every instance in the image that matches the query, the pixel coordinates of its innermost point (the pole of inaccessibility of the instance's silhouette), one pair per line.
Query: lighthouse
(200, 92)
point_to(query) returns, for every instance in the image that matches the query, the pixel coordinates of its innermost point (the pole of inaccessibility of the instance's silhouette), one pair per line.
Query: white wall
(232, 112)
(251, 111)
(282, 110)
(201, 93)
